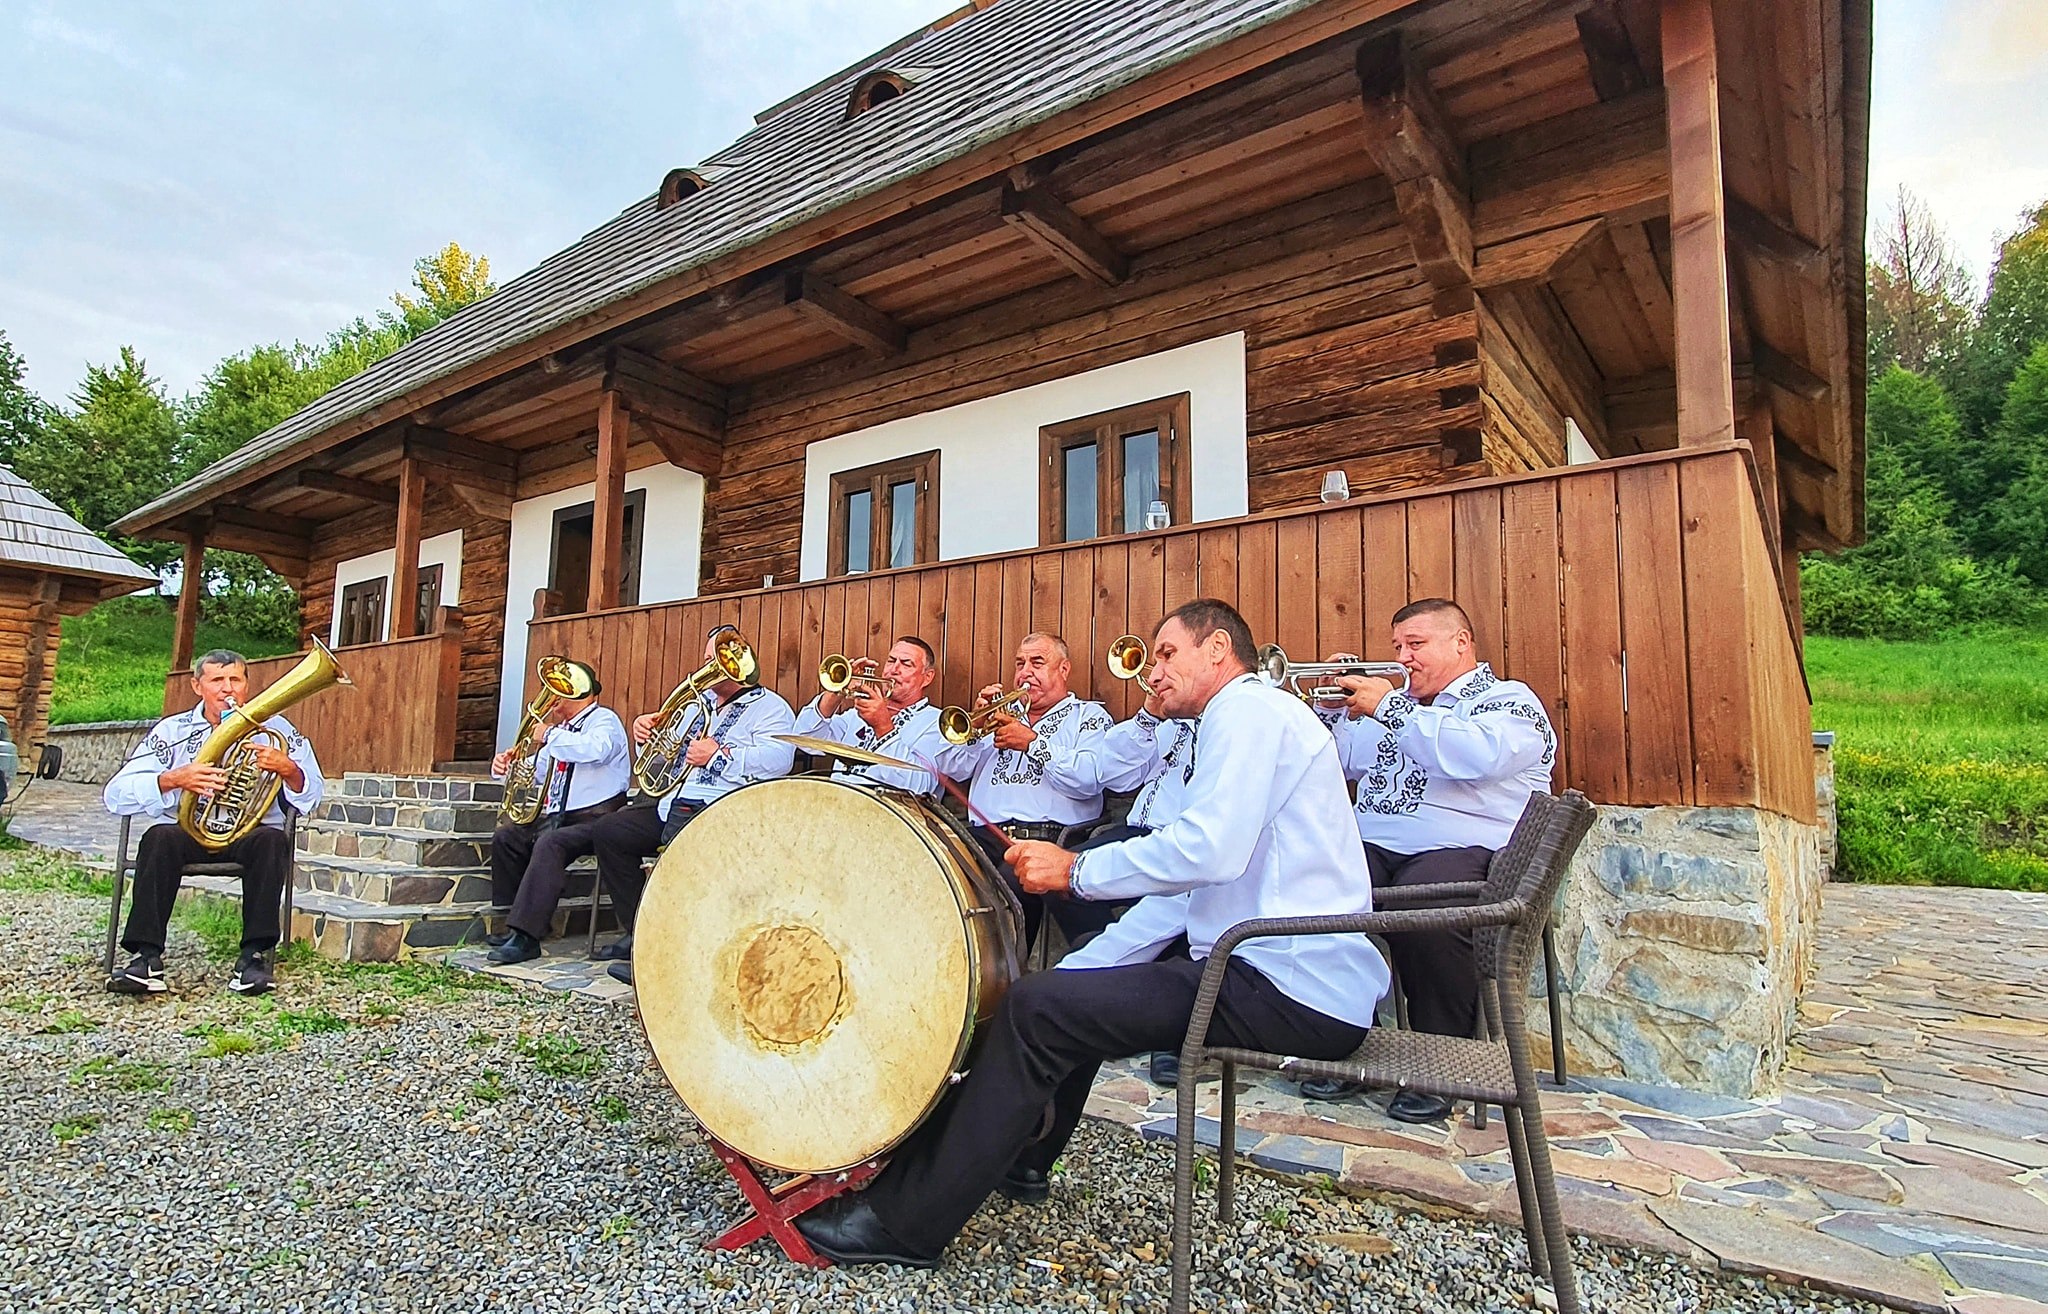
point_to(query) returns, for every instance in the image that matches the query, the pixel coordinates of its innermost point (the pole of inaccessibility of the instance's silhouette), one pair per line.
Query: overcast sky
(195, 177)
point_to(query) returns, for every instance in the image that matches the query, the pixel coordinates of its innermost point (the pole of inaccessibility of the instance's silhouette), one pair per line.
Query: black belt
(1033, 830)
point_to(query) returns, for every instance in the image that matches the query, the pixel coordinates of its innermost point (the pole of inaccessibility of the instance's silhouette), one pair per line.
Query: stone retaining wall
(1686, 936)
(94, 750)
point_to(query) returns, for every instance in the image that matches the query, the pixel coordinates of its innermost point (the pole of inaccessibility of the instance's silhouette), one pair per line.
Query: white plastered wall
(669, 547)
(443, 550)
(988, 449)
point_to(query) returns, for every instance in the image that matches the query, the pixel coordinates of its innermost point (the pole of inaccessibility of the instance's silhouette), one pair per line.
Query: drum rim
(895, 799)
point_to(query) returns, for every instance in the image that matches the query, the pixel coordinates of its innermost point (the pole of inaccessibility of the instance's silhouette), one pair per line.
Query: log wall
(30, 604)
(1637, 597)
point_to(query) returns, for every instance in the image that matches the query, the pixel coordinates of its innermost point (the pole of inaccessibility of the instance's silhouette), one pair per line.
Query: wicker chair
(1518, 895)
(124, 866)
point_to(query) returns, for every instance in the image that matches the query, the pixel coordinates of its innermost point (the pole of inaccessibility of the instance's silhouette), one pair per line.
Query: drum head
(803, 973)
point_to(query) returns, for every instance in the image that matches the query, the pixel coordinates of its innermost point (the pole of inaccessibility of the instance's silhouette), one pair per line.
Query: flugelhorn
(960, 726)
(686, 712)
(1274, 668)
(239, 806)
(525, 794)
(836, 675)
(1128, 659)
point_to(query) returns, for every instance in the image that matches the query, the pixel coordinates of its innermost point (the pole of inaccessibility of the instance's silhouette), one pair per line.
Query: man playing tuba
(154, 781)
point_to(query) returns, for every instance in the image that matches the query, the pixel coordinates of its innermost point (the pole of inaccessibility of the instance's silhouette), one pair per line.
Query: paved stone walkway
(63, 814)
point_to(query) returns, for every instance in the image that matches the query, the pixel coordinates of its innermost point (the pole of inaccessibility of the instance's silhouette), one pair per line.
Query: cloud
(1991, 41)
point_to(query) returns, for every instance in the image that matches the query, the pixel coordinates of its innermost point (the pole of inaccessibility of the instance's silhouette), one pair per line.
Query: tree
(22, 413)
(448, 280)
(2014, 321)
(1919, 293)
(2014, 522)
(1911, 414)
(245, 395)
(114, 449)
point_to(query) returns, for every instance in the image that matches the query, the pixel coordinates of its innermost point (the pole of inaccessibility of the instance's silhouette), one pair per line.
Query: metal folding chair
(124, 866)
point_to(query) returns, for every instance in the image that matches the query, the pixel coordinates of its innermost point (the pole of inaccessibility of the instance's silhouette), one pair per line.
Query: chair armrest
(1391, 896)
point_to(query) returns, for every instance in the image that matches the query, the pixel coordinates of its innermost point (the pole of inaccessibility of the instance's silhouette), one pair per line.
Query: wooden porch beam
(362, 490)
(1053, 226)
(1409, 138)
(190, 584)
(1786, 374)
(1533, 259)
(688, 451)
(1611, 59)
(608, 500)
(482, 476)
(667, 392)
(1705, 362)
(1772, 241)
(848, 316)
(1794, 458)
(405, 564)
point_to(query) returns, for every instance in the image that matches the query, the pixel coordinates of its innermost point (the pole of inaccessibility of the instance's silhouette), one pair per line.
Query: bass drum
(813, 957)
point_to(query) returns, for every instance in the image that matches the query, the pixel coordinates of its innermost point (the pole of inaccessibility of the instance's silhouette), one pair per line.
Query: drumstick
(965, 801)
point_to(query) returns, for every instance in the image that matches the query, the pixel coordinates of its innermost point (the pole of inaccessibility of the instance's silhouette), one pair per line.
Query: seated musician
(584, 763)
(1013, 782)
(1264, 831)
(737, 747)
(894, 726)
(1444, 770)
(152, 783)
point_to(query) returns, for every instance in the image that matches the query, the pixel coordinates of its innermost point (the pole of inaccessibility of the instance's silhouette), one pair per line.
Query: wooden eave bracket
(851, 318)
(1786, 374)
(655, 389)
(341, 485)
(283, 543)
(483, 477)
(1410, 140)
(1612, 63)
(1535, 258)
(1053, 226)
(1766, 237)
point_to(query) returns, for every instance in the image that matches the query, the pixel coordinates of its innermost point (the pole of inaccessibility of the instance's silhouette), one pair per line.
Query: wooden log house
(1568, 290)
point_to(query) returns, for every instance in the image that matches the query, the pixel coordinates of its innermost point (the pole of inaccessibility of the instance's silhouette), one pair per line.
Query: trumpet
(686, 712)
(525, 792)
(961, 726)
(837, 675)
(1274, 668)
(1128, 658)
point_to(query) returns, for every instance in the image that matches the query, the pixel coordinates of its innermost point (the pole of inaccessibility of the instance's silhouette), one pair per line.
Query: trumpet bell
(1127, 659)
(956, 725)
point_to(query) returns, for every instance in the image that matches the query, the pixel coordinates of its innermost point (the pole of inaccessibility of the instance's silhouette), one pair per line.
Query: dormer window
(679, 183)
(874, 89)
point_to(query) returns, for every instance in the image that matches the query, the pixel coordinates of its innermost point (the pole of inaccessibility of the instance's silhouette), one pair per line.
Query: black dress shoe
(1329, 1088)
(620, 972)
(519, 948)
(496, 938)
(1164, 1068)
(845, 1230)
(1024, 1185)
(618, 951)
(1414, 1106)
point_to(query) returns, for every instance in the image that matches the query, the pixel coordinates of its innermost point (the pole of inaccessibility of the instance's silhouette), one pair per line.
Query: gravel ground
(368, 1140)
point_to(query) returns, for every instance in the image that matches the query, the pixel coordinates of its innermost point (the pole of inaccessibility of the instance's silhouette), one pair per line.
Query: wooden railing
(1637, 596)
(399, 717)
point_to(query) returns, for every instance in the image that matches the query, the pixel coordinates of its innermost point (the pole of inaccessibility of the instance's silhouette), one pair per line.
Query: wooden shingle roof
(1007, 67)
(36, 534)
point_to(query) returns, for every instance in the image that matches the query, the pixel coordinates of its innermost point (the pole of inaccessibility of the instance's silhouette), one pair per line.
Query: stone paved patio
(1906, 1157)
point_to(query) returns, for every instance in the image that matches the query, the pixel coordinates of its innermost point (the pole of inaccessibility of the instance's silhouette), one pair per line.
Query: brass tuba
(686, 713)
(239, 806)
(525, 794)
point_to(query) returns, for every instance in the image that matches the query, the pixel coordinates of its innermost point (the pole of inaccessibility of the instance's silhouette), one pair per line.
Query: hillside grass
(1941, 756)
(112, 660)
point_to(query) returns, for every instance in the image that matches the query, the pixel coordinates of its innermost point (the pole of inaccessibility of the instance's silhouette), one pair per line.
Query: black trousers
(1048, 1037)
(1080, 920)
(530, 864)
(627, 837)
(1438, 972)
(266, 857)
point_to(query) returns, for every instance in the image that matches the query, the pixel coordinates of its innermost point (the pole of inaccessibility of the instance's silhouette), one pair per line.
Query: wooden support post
(1408, 136)
(1699, 225)
(190, 585)
(405, 567)
(608, 507)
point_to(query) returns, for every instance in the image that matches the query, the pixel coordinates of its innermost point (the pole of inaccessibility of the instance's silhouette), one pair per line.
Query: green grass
(560, 1056)
(69, 1129)
(171, 1120)
(122, 1074)
(112, 660)
(1941, 756)
(216, 920)
(40, 870)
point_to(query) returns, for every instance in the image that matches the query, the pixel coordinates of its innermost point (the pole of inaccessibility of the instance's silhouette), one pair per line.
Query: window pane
(1141, 477)
(1080, 508)
(903, 524)
(859, 527)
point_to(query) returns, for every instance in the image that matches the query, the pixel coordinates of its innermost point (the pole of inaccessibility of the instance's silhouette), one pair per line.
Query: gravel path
(404, 1140)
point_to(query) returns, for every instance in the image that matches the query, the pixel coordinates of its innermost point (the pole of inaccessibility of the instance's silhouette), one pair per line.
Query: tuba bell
(239, 806)
(524, 793)
(686, 712)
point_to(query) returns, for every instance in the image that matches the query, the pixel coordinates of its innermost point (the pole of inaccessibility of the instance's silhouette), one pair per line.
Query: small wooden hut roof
(37, 535)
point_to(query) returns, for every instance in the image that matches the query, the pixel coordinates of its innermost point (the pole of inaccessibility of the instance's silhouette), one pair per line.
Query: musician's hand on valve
(502, 763)
(205, 781)
(1041, 867)
(1012, 734)
(643, 727)
(881, 718)
(1364, 693)
(989, 693)
(701, 751)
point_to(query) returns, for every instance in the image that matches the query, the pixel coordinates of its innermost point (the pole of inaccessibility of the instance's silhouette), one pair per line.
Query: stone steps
(412, 846)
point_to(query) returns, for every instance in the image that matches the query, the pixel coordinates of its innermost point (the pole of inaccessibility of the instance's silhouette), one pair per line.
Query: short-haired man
(1264, 832)
(1013, 778)
(893, 726)
(1444, 769)
(584, 764)
(153, 782)
(739, 745)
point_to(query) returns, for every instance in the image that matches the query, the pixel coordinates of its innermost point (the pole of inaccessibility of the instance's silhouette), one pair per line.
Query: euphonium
(1127, 659)
(686, 712)
(525, 794)
(961, 726)
(1274, 668)
(239, 806)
